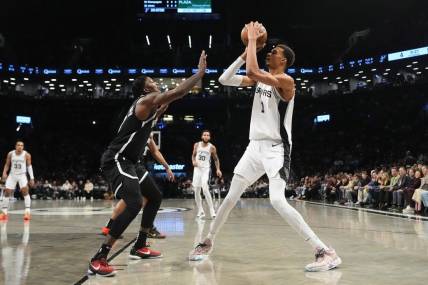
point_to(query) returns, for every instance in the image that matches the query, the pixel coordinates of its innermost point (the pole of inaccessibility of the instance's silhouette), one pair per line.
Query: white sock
(26, 234)
(208, 198)
(237, 187)
(3, 237)
(198, 199)
(293, 218)
(5, 205)
(27, 202)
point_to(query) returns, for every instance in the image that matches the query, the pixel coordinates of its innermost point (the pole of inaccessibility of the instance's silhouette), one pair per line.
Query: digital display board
(177, 6)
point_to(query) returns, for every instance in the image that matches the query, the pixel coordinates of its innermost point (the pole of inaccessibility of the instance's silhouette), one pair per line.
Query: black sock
(102, 252)
(109, 224)
(141, 240)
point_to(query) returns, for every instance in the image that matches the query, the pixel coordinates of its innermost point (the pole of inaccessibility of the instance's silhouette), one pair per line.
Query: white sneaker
(409, 210)
(200, 215)
(201, 251)
(325, 259)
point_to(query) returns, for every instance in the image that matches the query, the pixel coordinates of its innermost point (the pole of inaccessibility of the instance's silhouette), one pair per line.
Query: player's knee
(134, 206)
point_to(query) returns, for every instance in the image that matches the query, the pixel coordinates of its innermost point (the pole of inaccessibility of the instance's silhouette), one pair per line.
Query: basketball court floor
(254, 247)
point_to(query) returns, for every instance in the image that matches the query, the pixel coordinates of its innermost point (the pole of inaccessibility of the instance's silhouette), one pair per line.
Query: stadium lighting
(169, 41)
(12, 83)
(63, 90)
(388, 69)
(53, 79)
(190, 41)
(26, 79)
(6, 81)
(113, 79)
(415, 68)
(325, 78)
(105, 81)
(409, 65)
(80, 85)
(338, 77)
(107, 88)
(346, 80)
(85, 81)
(386, 73)
(418, 72)
(131, 79)
(373, 69)
(74, 79)
(298, 79)
(47, 81)
(360, 71)
(415, 62)
(357, 74)
(364, 77)
(61, 85)
(147, 40)
(210, 41)
(13, 79)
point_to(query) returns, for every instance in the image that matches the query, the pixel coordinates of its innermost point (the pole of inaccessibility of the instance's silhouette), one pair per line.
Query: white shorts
(262, 157)
(12, 180)
(201, 176)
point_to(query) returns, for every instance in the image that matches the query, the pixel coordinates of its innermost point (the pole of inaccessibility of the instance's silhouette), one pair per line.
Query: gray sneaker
(201, 251)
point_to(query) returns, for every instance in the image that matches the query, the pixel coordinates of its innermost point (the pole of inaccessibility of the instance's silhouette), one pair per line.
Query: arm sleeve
(229, 76)
(30, 171)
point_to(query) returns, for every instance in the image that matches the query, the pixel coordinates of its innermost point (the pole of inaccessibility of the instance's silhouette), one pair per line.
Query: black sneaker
(154, 233)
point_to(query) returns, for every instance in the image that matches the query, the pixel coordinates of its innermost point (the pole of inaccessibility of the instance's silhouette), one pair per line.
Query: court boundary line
(372, 211)
(86, 277)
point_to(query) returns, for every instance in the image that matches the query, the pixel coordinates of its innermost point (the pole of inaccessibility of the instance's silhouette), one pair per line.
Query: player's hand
(31, 183)
(255, 30)
(219, 174)
(195, 164)
(170, 175)
(202, 66)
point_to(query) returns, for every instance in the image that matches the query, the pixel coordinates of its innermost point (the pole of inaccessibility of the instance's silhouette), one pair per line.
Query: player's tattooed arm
(195, 164)
(6, 166)
(216, 161)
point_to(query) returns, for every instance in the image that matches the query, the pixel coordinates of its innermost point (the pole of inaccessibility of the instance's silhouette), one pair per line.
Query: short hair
(139, 85)
(288, 54)
(206, 131)
(19, 141)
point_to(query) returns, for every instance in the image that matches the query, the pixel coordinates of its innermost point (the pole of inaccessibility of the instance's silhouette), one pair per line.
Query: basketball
(260, 41)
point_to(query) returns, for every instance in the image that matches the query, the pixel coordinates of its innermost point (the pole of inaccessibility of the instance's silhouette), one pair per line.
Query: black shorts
(123, 179)
(130, 181)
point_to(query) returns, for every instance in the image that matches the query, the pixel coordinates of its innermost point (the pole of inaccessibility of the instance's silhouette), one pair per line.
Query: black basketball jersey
(131, 138)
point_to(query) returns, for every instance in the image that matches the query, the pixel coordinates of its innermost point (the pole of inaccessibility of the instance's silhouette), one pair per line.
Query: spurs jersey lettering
(271, 116)
(203, 155)
(131, 138)
(18, 163)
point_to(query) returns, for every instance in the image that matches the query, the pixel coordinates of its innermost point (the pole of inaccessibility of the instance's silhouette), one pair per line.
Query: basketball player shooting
(269, 149)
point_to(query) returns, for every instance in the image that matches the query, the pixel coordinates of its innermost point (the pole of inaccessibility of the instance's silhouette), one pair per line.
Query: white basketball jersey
(18, 163)
(271, 116)
(203, 155)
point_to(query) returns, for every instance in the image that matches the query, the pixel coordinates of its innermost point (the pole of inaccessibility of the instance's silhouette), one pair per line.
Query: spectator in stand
(65, 190)
(371, 189)
(313, 192)
(362, 192)
(330, 190)
(346, 185)
(352, 190)
(417, 195)
(384, 183)
(80, 191)
(89, 187)
(397, 190)
(47, 189)
(385, 194)
(74, 189)
(415, 183)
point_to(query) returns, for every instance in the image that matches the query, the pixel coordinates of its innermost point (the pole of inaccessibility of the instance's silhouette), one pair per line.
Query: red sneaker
(101, 267)
(144, 252)
(3, 217)
(105, 231)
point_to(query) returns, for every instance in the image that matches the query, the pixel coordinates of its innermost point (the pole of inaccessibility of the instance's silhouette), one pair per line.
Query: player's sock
(198, 199)
(141, 240)
(27, 202)
(293, 218)
(102, 252)
(109, 223)
(209, 199)
(5, 205)
(237, 187)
